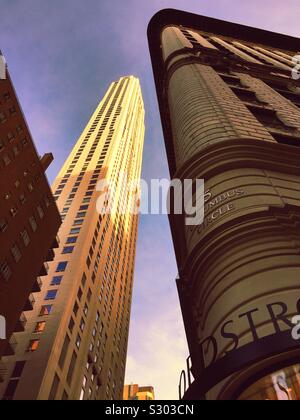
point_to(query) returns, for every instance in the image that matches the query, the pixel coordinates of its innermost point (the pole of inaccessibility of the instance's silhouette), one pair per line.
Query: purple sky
(62, 55)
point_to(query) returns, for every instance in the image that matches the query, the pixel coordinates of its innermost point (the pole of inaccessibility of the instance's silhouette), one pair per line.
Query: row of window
(11, 136)
(255, 54)
(266, 116)
(5, 268)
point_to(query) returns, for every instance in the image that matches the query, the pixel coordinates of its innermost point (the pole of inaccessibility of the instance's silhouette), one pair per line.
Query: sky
(62, 56)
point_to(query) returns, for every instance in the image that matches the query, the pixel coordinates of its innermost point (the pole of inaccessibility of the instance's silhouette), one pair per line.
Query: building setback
(75, 343)
(29, 218)
(230, 111)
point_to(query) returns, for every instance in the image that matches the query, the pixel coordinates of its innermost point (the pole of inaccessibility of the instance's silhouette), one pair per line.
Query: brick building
(29, 218)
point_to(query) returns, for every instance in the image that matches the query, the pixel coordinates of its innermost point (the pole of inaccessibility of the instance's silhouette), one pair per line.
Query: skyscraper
(29, 219)
(136, 392)
(75, 343)
(230, 113)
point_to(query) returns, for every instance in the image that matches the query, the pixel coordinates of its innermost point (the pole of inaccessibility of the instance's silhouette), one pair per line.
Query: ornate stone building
(230, 111)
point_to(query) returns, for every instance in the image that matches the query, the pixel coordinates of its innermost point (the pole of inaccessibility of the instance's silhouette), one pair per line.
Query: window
(5, 271)
(18, 370)
(82, 394)
(88, 262)
(33, 223)
(78, 341)
(85, 310)
(97, 316)
(89, 295)
(40, 326)
(1, 145)
(71, 325)
(75, 231)
(61, 267)
(81, 214)
(83, 280)
(75, 309)
(16, 252)
(51, 294)
(83, 207)
(6, 160)
(40, 212)
(10, 389)
(68, 250)
(72, 240)
(3, 225)
(10, 136)
(22, 199)
(54, 388)
(78, 222)
(12, 110)
(13, 211)
(25, 237)
(79, 294)
(286, 139)
(71, 368)
(19, 129)
(56, 281)
(46, 310)
(82, 324)
(6, 96)
(64, 352)
(33, 345)
(16, 150)
(2, 117)
(7, 195)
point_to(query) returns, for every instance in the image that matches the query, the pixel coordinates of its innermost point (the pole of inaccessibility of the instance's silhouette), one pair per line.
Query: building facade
(29, 218)
(136, 392)
(75, 343)
(230, 110)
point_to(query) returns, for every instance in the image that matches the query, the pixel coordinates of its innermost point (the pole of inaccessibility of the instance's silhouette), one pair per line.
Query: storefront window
(281, 385)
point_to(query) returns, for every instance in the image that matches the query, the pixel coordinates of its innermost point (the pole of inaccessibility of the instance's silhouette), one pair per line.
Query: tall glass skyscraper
(75, 343)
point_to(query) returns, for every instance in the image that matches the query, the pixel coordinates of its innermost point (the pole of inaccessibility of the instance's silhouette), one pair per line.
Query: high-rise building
(75, 343)
(230, 110)
(29, 218)
(136, 392)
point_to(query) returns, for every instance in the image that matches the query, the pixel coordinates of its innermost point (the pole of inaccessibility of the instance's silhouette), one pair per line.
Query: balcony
(37, 286)
(29, 304)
